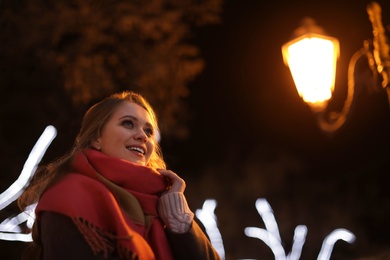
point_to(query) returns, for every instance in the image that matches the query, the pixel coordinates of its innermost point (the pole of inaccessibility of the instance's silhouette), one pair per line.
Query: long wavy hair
(92, 124)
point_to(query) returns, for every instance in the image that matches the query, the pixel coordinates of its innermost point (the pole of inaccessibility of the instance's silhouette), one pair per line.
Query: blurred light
(266, 213)
(298, 242)
(209, 219)
(35, 156)
(16, 237)
(12, 224)
(14, 191)
(269, 239)
(271, 236)
(331, 239)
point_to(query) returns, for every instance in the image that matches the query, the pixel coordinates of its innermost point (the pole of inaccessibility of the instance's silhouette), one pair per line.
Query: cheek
(150, 146)
(115, 135)
(110, 141)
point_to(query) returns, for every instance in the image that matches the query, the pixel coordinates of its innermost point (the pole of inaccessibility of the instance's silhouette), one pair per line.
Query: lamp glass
(312, 61)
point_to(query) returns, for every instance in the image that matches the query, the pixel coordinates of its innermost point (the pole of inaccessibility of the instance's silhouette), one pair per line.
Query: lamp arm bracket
(330, 122)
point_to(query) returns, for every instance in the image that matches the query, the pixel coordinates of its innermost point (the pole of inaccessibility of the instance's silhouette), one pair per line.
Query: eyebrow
(135, 119)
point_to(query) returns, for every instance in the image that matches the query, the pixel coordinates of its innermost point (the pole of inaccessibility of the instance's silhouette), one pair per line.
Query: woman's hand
(172, 205)
(177, 183)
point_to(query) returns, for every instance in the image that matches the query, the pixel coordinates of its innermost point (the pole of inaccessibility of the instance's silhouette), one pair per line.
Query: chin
(137, 162)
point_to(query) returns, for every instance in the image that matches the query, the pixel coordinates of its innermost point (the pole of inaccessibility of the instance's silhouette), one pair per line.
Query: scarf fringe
(102, 241)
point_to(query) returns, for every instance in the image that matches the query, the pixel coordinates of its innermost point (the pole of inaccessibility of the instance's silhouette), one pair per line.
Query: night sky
(245, 110)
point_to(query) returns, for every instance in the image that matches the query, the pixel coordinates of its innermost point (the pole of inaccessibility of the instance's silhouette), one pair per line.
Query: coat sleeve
(192, 245)
(62, 240)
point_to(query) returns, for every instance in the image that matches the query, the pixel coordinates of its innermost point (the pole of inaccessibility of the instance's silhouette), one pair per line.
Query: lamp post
(312, 58)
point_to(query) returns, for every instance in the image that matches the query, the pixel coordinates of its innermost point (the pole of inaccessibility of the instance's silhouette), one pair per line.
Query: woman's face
(128, 134)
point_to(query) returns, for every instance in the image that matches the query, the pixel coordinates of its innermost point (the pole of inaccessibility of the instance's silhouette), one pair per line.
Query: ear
(96, 144)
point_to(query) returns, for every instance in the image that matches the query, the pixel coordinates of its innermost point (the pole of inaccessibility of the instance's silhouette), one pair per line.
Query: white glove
(174, 212)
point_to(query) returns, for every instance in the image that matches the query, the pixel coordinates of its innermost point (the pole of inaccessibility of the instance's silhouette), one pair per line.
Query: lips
(137, 149)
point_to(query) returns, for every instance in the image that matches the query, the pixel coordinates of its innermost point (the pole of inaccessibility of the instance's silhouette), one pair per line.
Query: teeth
(137, 149)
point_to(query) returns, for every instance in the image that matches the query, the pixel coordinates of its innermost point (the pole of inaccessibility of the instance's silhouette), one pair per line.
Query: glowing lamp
(312, 61)
(312, 58)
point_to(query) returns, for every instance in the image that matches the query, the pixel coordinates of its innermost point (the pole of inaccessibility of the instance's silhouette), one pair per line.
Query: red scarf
(114, 205)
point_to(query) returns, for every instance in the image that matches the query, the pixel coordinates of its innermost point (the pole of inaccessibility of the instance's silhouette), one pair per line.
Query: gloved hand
(173, 207)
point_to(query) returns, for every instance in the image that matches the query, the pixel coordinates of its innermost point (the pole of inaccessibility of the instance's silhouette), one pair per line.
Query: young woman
(111, 196)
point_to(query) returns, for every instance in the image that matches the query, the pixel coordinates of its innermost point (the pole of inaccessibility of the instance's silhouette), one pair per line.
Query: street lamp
(312, 58)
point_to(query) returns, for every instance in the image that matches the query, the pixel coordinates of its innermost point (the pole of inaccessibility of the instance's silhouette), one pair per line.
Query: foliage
(94, 48)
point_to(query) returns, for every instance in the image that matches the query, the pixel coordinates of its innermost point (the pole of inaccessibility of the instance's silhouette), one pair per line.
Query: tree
(93, 48)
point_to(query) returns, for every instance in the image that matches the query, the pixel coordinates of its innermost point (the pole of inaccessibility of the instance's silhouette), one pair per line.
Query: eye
(149, 131)
(128, 123)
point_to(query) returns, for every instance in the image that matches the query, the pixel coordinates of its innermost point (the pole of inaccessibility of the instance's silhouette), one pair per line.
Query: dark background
(251, 136)
(264, 142)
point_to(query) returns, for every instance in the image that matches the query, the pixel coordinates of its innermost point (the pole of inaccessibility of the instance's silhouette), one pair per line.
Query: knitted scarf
(114, 205)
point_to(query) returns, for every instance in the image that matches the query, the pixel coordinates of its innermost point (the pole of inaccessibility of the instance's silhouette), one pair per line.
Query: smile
(136, 149)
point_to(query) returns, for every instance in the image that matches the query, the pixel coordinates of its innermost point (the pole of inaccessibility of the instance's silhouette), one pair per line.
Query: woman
(111, 197)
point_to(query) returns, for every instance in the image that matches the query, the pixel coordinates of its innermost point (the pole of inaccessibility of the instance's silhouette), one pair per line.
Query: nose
(140, 135)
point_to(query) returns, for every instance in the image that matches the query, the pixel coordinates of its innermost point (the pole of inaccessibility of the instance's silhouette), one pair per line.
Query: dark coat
(61, 240)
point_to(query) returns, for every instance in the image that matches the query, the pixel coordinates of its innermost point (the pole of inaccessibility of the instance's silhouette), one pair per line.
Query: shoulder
(75, 192)
(74, 185)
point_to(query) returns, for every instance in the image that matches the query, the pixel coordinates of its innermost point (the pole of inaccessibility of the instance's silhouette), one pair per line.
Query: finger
(178, 184)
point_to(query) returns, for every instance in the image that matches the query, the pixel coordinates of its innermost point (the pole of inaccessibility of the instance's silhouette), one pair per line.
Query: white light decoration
(298, 242)
(35, 156)
(331, 239)
(209, 220)
(266, 213)
(271, 236)
(11, 225)
(10, 228)
(269, 239)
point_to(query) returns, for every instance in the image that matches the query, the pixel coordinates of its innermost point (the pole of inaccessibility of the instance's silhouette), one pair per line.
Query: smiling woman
(128, 134)
(111, 196)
